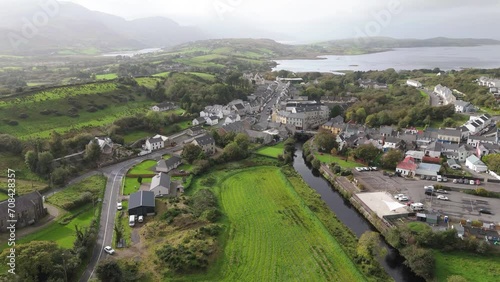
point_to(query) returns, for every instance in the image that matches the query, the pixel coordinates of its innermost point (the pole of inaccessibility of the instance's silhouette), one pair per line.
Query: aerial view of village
(249, 141)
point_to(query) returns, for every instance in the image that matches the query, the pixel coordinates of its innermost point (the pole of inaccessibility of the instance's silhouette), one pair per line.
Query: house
(206, 142)
(165, 106)
(213, 120)
(449, 135)
(445, 94)
(162, 186)
(28, 210)
(417, 155)
(105, 143)
(407, 167)
(232, 118)
(434, 150)
(484, 149)
(154, 143)
(236, 127)
(453, 164)
(334, 125)
(463, 107)
(199, 121)
(169, 164)
(476, 140)
(368, 83)
(390, 142)
(142, 203)
(477, 123)
(195, 130)
(413, 83)
(474, 163)
(262, 137)
(239, 108)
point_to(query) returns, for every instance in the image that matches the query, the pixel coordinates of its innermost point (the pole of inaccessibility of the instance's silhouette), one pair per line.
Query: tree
(10, 144)
(493, 162)
(335, 111)
(60, 175)
(92, 152)
(366, 152)
(56, 144)
(361, 115)
(369, 247)
(448, 122)
(325, 141)
(31, 159)
(44, 164)
(420, 260)
(391, 159)
(109, 270)
(316, 163)
(191, 152)
(242, 141)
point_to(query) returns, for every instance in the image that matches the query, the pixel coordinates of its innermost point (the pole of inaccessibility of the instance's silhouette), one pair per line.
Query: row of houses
(492, 83)
(445, 94)
(371, 84)
(303, 115)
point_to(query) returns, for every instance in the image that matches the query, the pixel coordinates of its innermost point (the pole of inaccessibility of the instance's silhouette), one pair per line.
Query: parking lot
(459, 205)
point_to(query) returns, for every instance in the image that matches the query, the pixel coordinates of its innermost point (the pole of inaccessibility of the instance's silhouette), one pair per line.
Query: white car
(442, 198)
(109, 250)
(119, 206)
(398, 196)
(140, 218)
(403, 199)
(430, 187)
(358, 168)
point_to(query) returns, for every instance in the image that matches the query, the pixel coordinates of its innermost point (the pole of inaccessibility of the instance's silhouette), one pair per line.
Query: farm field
(17, 163)
(327, 158)
(3, 197)
(108, 76)
(273, 235)
(66, 108)
(272, 151)
(24, 186)
(149, 82)
(470, 266)
(94, 185)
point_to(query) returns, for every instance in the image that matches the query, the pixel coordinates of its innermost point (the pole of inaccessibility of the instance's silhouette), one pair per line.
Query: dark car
(485, 211)
(430, 193)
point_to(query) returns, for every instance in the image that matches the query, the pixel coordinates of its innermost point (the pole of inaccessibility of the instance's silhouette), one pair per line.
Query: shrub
(13, 123)
(211, 214)
(23, 116)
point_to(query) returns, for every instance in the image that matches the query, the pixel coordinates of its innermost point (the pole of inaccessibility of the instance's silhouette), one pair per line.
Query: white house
(105, 143)
(213, 120)
(232, 118)
(154, 143)
(198, 121)
(445, 93)
(413, 83)
(463, 107)
(474, 163)
(162, 186)
(477, 123)
(165, 106)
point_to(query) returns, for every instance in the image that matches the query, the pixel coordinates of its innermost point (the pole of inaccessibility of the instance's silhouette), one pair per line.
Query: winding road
(115, 174)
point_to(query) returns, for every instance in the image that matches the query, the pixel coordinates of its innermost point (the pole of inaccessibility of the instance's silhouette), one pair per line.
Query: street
(115, 174)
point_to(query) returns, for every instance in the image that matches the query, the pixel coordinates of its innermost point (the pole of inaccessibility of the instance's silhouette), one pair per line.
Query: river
(393, 262)
(445, 58)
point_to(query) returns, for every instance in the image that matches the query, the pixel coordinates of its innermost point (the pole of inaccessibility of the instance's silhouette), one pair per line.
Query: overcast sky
(312, 20)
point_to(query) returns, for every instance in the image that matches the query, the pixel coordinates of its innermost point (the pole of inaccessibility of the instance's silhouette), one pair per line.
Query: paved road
(274, 97)
(115, 174)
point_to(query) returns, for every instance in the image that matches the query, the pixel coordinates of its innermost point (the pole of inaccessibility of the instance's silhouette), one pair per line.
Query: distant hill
(374, 43)
(79, 29)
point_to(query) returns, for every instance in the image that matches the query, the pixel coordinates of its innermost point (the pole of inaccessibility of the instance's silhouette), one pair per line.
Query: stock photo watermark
(380, 20)
(31, 25)
(11, 222)
(223, 7)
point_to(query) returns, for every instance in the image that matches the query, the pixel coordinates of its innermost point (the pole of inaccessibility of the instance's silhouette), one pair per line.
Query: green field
(146, 167)
(135, 135)
(17, 163)
(149, 82)
(327, 158)
(63, 235)
(69, 108)
(108, 76)
(131, 185)
(94, 184)
(24, 186)
(271, 151)
(470, 266)
(3, 197)
(162, 74)
(272, 235)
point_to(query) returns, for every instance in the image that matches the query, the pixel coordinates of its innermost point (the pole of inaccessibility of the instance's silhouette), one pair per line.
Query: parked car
(119, 206)
(422, 177)
(109, 250)
(403, 199)
(398, 196)
(478, 181)
(430, 193)
(455, 180)
(434, 178)
(485, 211)
(472, 182)
(443, 198)
(430, 187)
(441, 191)
(140, 218)
(374, 168)
(445, 179)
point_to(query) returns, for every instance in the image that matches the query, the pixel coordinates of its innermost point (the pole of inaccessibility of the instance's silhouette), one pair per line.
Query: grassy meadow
(271, 151)
(328, 158)
(472, 267)
(94, 184)
(272, 235)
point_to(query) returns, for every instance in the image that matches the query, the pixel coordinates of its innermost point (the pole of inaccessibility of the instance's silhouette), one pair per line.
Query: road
(115, 174)
(269, 105)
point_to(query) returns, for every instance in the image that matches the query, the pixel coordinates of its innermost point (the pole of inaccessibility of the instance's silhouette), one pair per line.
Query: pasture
(328, 158)
(108, 76)
(272, 235)
(271, 151)
(472, 267)
(146, 167)
(130, 184)
(69, 108)
(94, 185)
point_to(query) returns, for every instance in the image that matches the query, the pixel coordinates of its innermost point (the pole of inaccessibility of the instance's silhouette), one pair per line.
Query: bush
(420, 260)
(211, 214)
(13, 123)
(23, 116)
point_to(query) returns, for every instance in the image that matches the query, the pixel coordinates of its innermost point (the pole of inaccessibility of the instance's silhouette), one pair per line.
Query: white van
(140, 218)
(131, 220)
(417, 206)
(439, 178)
